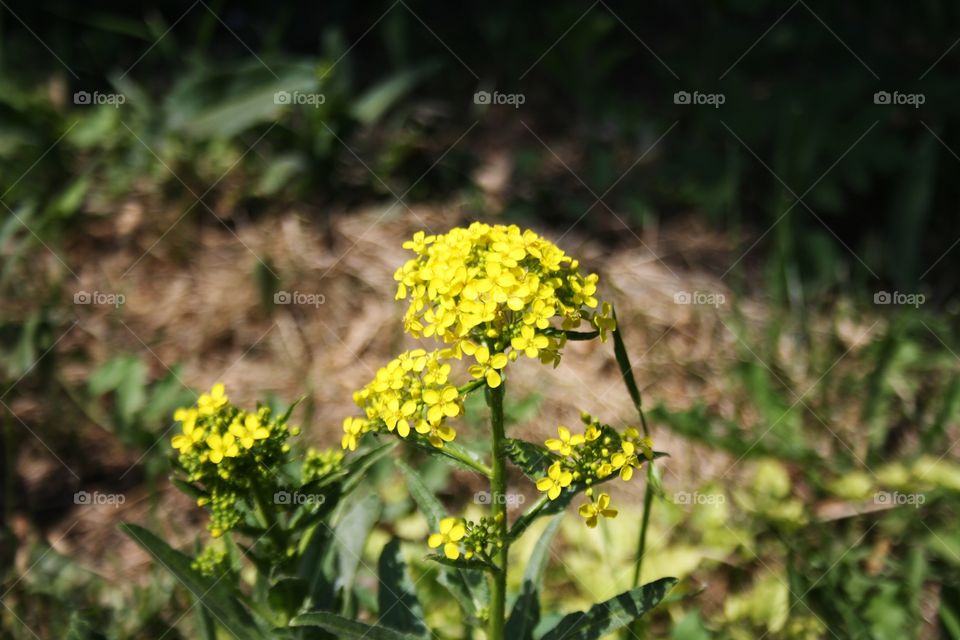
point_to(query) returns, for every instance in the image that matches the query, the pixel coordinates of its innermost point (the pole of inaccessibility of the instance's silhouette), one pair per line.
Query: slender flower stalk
(498, 507)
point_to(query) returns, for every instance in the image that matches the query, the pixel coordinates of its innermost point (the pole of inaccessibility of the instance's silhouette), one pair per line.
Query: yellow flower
(440, 404)
(451, 532)
(626, 460)
(529, 341)
(396, 415)
(487, 367)
(190, 435)
(438, 433)
(593, 432)
(248, 430)
(566, 442)
(222, 446)
(353, 428)
(592, 511)
(557, 479)
(209, 404)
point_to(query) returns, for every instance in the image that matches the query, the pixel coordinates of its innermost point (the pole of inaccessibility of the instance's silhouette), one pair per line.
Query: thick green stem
(498, 506)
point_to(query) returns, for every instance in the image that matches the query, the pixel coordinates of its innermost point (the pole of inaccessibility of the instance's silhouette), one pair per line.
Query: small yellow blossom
(353, 428)
(441, 403)
(564, 445)
(209, 403)
(222, 446)
(591, 512)
(557, 479)
(191, 434)
(626, 460)
(451, 532)
(488, 367)
(529, 342)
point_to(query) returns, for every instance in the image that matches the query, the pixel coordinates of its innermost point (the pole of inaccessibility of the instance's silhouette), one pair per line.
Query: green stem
(626, 372)
(498, 488)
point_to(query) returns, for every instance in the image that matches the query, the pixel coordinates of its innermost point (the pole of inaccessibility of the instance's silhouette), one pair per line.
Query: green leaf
(350, 537)
(215, 596)
(396, 598)
(526, 611)
(348, 629)
(609, 616)
(379, 99)
(531, 458)
(473, 564)
(423, 496)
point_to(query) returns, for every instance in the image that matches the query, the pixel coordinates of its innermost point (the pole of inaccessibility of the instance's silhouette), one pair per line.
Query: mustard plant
(487, 296)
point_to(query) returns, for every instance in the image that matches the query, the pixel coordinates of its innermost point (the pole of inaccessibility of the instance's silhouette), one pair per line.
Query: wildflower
(591, 512)
(436, 433)
(564, 445)
(222, 446)
(488, 367)
(496, 284)
(209, 403)
(396, 415)
(556, 480)
(191, 434)
(248, 430)
(626, 460)
(452, 531)
(441, 403)
(529, 342)
(353, 428)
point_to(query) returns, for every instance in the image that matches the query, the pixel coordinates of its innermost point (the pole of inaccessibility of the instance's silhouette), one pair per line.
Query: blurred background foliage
(823, 198)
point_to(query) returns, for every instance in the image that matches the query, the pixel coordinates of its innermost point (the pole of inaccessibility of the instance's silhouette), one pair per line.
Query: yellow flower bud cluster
(582, 460)
(320, 463)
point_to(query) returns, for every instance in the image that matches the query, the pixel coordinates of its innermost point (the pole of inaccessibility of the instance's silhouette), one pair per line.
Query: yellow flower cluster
(202, 433)
(225, 449)
(411, 393)
(497, 286)
(584, 459)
